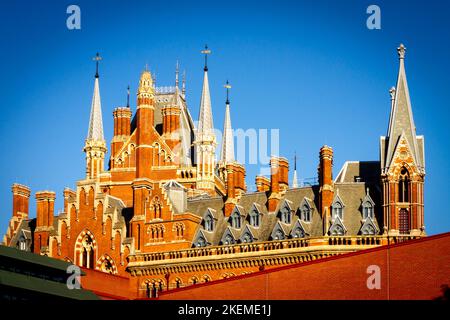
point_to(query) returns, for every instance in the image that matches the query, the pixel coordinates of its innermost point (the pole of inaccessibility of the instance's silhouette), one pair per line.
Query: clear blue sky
(311, 69)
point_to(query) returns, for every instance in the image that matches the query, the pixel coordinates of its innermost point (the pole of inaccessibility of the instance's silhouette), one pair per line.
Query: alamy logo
(73, 281)
(374, 20)
(374, 280)
(73, 22)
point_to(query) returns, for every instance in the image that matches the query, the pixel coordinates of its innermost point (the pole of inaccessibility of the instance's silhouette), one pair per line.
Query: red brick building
(166, 214)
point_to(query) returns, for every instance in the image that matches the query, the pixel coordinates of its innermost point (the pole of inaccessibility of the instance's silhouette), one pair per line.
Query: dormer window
(247, 238)
(305, 213)
(201, 242)
(338, 210)
(22, 244)
(228, 240)
(254, 219)
(285, 215)
(209, 223)
(298, 233)
(368, 206)
(278, 235)
(368, 210)
(235, 220)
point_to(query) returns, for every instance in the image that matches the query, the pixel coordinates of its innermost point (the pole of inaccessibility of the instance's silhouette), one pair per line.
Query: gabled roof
(299, 224)
(234, 233)
(280, 226)
(367, 198)
(205, 128)
(368, 224)
(212, 212)
(251, 230)
(337, 223)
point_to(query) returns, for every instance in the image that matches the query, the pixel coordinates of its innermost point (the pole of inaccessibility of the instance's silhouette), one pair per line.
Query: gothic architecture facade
(166, 214)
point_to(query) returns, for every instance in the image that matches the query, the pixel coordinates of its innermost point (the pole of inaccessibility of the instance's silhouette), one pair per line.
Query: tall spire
(176, 74)
(205, 121)
(401, 120)
(95, 145)
(128, 96)
(95, 131)
(183, 84)
(294, 178)
(205, 139)
(227, 153)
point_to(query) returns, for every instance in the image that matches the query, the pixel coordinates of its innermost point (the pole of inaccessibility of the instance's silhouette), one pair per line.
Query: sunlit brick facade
(166, 214)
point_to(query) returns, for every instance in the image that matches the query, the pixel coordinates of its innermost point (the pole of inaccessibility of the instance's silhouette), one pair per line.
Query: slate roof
(352, 194)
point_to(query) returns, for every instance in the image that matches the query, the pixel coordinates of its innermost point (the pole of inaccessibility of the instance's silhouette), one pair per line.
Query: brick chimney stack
(275, 195)
(262, 184)
(122, 128)
(45, 207)
(21, 197)
(231, 191)
(325, 171)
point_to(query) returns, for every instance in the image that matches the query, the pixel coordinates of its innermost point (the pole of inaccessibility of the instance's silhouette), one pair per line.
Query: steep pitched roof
(401, 120)
(205, 121)
(95, 130)
(227, 152)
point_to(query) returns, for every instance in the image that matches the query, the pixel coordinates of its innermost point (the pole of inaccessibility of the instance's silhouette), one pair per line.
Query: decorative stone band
(259, 253)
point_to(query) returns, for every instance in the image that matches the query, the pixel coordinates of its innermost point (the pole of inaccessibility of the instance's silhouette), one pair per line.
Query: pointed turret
(95, 130)
(402, 158)
(205, 129)
(227, 152)
(95, 144)
(205, 139)
(401, 120)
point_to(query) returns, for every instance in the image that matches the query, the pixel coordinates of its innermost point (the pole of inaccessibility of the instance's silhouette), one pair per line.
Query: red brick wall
(413, 270)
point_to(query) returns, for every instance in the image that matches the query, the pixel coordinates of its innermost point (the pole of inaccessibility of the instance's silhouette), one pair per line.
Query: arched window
(403, 186)
(87, 252)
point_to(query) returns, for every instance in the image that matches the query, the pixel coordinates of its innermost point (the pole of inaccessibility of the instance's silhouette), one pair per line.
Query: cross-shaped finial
(206, 52)
(97, 58)
(228, 87)
(401, 51)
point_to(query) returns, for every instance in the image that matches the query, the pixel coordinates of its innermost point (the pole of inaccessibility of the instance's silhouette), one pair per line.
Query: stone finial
(401, 51)
(392, 93)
